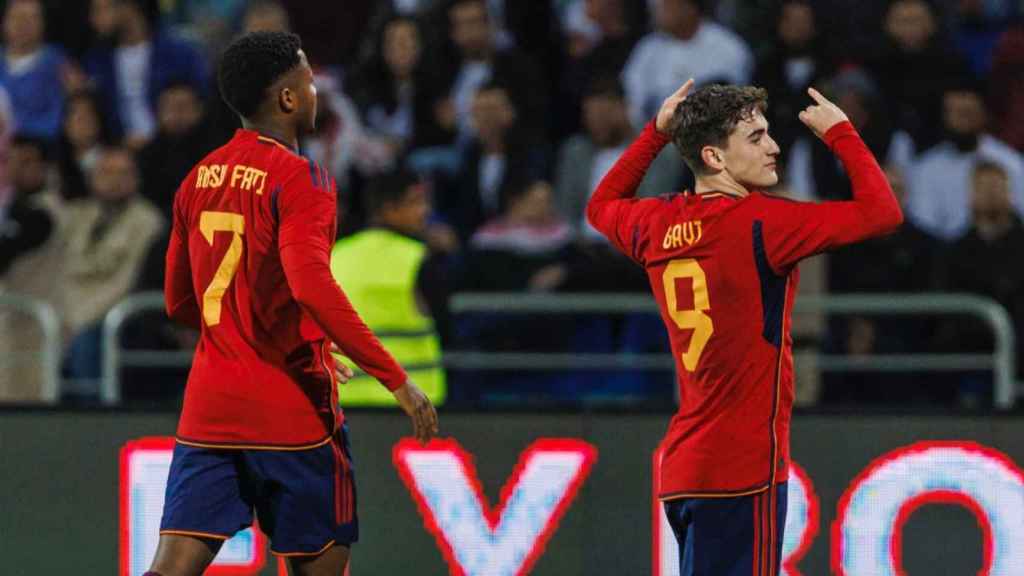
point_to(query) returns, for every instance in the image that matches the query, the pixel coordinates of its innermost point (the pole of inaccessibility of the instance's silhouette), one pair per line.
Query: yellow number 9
(695, 319)
(209, 224)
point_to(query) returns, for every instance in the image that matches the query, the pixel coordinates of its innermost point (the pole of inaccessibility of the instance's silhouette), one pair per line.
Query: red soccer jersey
(723, 270)
(248, 265)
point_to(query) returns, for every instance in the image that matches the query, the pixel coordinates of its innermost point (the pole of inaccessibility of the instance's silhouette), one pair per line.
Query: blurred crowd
(507, 114)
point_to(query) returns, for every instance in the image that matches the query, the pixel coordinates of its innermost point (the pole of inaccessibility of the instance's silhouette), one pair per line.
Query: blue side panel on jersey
(273, 202)
(773, 290)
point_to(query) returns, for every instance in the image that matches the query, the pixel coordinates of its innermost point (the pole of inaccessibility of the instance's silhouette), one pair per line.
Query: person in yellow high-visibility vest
(382, 270)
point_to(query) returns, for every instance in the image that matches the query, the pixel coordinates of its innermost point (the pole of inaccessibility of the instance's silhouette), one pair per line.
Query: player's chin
(767, 178)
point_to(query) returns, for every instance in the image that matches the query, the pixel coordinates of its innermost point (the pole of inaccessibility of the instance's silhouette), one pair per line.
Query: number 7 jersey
(248, 264)
(723, 271)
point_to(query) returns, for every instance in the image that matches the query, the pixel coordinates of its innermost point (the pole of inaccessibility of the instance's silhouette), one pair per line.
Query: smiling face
(749, 156)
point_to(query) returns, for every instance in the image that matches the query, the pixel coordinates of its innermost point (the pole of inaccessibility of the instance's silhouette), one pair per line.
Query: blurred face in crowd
(471, 29)
(675, 15)
(409, 214)
(115, 176)
(266, 18)
(81, 123)
(493, 114)
(26, 168)
(534, 205)
(964, 113)
(750, 153)
(602, 10)
(103, 17)
(179, 110)
(605, 119)
(129, 18)
(401, 47)
(855, 105)
(796, 24)
(23, 25)
(911, 24)
(990, 197)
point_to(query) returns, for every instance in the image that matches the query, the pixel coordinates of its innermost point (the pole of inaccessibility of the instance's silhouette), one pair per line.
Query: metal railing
(1002, 361)
(49, 354)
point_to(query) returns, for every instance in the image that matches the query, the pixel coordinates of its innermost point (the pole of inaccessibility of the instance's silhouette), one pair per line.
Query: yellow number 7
(209, 224)
(694, 319)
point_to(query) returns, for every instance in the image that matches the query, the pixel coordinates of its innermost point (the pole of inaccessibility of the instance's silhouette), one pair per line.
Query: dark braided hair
(709, 115)
(251, 65)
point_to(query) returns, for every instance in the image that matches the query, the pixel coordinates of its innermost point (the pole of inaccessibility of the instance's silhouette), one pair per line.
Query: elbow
(592, 212)
(893, 219)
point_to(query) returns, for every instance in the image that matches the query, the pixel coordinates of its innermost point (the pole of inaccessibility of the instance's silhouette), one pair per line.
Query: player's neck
(720, 182)
(274, 130)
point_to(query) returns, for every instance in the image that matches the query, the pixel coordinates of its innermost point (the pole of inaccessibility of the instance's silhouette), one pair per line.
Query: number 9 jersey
(723, 271)
(248, 266)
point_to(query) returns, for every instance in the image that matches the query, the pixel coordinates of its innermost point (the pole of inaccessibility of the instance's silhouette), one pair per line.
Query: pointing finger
(684, 89)
(816, 95)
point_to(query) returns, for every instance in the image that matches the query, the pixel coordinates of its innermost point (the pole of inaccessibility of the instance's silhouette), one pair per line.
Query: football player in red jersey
(722, 264)
(248, 265)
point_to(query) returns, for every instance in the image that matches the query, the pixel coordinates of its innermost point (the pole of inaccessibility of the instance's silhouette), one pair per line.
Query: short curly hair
(251, 65)
(709, 115)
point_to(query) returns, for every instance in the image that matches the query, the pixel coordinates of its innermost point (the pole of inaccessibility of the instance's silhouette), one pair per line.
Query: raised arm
(613, 205)
(796, 230)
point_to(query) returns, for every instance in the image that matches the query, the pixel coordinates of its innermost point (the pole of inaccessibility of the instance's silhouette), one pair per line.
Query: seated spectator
(33, 73)
(907, 261)
(83, 133)
(795, 60)
(585, 158)
(108, 236)
(495, 158)
(475, 57)
(393, 89)
(912, 66)
(685, 45)
(986, 261)
(589, 58)
(131, 73)
(521, 249)
(181, 141)
(939, 182)
(30, 263)
(396, 285)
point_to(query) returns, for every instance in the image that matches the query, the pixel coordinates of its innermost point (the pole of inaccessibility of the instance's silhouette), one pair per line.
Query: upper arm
(628, 224)
(795, 230)
(307, 208)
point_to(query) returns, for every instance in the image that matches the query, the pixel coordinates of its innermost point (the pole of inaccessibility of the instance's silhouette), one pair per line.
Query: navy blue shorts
(739, 536)
(305, 500)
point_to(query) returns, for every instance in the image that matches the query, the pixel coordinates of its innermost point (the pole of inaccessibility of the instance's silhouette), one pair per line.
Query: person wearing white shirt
(940, 180)
(685, 45)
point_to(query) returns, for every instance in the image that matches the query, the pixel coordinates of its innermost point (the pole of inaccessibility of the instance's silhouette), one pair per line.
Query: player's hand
(663, 123)
(420, 410)
(342, 373)
(821, 115)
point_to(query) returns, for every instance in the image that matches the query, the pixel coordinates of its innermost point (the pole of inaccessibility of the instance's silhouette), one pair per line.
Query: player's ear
(287, 100)
(713, 158)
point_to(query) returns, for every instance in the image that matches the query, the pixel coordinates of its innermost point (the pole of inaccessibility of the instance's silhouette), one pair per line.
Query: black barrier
(61, 489)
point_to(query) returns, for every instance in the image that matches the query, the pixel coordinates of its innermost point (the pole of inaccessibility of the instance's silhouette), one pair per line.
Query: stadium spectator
(604, 54)
(911, 66)
(794, 60)
(6, 132)
(398, 285)
(523, 248)
(331, 31)
(108, 236)
(585, 158)
(30, 263)
(83, 133)
(685, 45)
(475, 57)
(392, 87)
(983, 262)
(265, 16)
(499, 154)
(907, 261)
(978, 26)
(207, 23)
(1006, 87)
(939, 182)
(33, 73)
(131, 73)
(181, 140)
